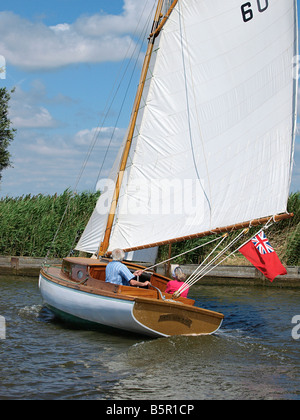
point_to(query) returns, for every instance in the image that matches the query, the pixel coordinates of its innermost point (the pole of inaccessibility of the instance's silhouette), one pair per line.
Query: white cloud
(61, 27)
(104, 136)
(40, 118)
(134, 11)
(27, 109)
(92, 39)
(51, 162)
(50, 145)
(56, 148)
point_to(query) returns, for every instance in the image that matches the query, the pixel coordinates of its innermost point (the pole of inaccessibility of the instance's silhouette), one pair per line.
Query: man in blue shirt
(118, 273)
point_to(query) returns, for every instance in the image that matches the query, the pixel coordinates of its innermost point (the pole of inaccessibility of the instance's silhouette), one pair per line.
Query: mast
(158, 24)
(104, 245)
(200, 106)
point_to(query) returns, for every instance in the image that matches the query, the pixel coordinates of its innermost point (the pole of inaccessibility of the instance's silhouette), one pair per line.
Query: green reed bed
(29, 223)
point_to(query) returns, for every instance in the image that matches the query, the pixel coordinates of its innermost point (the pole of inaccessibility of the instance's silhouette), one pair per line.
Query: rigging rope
(107, 108)
(179, 255)
(202, 271)
(142, 36)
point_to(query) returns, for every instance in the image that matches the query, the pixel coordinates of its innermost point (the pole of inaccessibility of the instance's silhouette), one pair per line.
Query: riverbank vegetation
(31, 226)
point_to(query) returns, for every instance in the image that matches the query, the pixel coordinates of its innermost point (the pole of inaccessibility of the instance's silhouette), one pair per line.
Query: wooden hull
(136, 310)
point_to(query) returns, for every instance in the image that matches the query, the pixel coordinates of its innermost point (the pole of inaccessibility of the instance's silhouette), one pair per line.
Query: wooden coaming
(92, 280)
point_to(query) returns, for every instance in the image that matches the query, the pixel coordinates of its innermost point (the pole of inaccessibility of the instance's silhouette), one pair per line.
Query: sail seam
(182, 30)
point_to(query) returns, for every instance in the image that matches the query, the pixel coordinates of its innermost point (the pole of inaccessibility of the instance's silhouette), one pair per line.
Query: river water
(253, 356)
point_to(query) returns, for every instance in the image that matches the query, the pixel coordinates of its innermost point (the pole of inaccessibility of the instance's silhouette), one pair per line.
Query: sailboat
(209, 149)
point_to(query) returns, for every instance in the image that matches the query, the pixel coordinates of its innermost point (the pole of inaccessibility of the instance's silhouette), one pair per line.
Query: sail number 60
(247, 9)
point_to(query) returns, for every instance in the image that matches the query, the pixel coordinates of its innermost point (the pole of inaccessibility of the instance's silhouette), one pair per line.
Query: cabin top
(94, 262)
(85, 261)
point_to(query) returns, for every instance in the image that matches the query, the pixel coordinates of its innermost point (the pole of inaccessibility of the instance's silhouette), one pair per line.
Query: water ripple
(253, 355)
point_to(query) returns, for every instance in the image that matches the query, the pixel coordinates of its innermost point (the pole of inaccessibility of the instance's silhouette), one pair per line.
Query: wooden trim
(231, 228)
(57, 279)
(165, 304)
(97, 286)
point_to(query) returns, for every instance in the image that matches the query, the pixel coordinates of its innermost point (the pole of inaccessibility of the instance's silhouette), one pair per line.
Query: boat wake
(30, 312)
(37, 312)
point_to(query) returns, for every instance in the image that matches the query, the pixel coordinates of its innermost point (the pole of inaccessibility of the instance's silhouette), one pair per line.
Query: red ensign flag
(260, 253)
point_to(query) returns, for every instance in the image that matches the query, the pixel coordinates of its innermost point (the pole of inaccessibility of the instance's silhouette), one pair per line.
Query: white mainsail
(213, 143)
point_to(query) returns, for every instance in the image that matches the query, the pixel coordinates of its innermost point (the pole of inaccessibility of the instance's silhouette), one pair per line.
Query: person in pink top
(174, 285)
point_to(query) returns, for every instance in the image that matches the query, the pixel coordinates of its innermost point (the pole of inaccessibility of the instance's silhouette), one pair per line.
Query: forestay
(213, 143)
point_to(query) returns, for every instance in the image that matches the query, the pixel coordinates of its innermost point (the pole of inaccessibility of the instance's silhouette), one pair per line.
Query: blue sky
(63, 57)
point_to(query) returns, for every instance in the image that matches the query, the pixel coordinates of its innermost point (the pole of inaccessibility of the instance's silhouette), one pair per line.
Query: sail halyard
(105, 243)
(296, 81)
